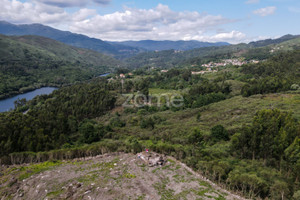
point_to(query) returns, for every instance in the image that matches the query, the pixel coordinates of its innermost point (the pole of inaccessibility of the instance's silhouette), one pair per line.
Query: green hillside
(259, 50)
(171, 58)
(28, 62)
(69, 38)
(239, 126)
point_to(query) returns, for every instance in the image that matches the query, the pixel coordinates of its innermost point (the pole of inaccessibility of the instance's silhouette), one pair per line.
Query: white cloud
(232, 37)
(265, 11)
(18, 12)
(159, 23)
(83, 14)
(252, 1)
(72, 3)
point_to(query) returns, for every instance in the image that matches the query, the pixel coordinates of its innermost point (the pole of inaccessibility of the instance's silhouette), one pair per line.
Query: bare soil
(110, 176)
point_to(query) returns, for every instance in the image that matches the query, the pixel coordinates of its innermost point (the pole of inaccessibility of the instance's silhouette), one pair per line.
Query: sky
(231, 21)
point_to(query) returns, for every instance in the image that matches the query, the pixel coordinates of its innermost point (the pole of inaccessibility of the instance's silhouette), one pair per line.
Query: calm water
(104, 74)
(7, 104)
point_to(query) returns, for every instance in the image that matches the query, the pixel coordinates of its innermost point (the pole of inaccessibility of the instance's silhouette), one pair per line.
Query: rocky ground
(111, 176)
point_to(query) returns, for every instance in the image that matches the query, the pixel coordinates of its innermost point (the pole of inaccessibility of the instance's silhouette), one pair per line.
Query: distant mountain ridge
(152, 45)
(67, 37)
(262, 43)
(117, 49)
(259, 50)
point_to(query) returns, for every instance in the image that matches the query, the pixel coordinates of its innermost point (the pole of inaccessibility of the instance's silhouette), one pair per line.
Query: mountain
(69, 38)
(259, 50)
(181, 45)
(267, 42)
(171, 58)
(27, 62)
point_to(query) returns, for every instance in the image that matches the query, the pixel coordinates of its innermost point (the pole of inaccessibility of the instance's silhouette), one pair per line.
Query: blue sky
(206, 20)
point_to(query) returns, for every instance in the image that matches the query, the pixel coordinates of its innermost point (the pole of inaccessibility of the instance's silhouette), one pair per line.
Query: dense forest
(277, 74)
(54, 120)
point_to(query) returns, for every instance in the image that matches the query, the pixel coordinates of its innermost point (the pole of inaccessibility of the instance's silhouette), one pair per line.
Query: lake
(7, 104)
(102, 75)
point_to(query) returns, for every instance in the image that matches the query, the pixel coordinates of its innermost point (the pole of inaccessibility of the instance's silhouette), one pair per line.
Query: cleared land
(110, 176)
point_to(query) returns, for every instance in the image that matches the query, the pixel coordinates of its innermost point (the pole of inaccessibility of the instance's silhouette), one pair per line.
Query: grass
(129, 176)
(161, 188)
(232, 113)
(30, 170)
(55, 193)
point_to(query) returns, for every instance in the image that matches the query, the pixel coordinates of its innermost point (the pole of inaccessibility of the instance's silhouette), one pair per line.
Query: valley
(226, 117)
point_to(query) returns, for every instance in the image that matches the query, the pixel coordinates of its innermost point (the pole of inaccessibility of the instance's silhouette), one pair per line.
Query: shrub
(295, 87)
(218, 133)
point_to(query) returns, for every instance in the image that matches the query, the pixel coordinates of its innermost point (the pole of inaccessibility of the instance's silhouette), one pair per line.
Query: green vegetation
(277, 74)
(37, 168)
(29, 62)
(57, 120)
(239, 127)
(171, 58)
(259, 50)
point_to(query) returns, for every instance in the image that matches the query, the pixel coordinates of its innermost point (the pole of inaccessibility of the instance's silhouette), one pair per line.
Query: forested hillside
(181, 45)
(172, 58)
(277, 74)
(77, 40)
(239, 126)
(54, 120)
(27, 62)
(259, 50)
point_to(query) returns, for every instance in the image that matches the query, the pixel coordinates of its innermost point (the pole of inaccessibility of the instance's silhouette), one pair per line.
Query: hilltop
(77, 40)
(109, 176)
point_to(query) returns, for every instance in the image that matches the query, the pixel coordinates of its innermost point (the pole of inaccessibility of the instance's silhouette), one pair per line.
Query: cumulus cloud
(159, 23)
(252, 1)
(72, 3)
(265, 11)
(18, 12)
(231, 36)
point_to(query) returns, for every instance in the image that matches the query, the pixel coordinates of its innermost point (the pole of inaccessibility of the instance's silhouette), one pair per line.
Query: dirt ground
(110, 176)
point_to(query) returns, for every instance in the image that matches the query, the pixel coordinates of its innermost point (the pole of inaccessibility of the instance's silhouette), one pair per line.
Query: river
(7, 104)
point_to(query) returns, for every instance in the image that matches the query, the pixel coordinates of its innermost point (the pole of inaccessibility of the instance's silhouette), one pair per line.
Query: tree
(198, 117)
(292, 154)
(296, 195)
(218, 133)
(196, 138)
(86, 129)
(279, 190)
(19, 103)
